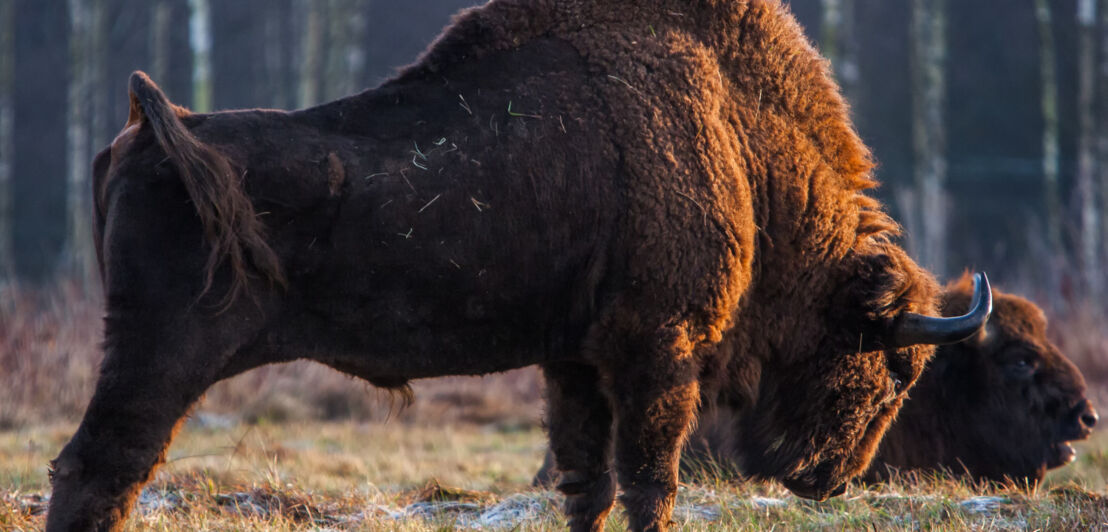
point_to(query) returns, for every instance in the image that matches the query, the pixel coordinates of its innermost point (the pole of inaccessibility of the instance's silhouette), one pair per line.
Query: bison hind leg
(579, 420)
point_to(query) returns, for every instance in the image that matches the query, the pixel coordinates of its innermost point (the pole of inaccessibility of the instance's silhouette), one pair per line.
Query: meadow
(301, 447)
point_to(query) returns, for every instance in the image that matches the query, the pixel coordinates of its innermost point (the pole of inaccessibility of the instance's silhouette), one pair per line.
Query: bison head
(1010, 402)
(819, 404)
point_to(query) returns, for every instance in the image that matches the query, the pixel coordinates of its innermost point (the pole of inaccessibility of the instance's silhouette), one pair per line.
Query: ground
(229, 475)
(301, 447)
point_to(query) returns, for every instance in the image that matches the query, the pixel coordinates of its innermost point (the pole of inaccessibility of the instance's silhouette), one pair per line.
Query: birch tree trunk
(1049, 82)
(200, 40)
(7, 53)
(1086, 157)
(928, 36)
(78, 256)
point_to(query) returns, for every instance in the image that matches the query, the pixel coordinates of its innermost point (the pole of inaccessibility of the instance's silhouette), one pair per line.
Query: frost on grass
(699, 508)
(767, 502)
(983, 504)
(509, 513)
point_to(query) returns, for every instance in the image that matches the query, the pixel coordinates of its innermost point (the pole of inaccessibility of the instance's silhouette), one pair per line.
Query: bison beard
(547, 185)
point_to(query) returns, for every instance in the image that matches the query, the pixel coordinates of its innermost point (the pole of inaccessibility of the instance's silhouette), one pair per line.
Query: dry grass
(256, 455)
(374, 476)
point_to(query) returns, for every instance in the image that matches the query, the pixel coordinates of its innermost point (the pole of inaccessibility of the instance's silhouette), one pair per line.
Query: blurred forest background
(989, 121)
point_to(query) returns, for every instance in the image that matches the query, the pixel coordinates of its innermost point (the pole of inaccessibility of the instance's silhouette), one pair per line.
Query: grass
(375, 476)
(301, 447)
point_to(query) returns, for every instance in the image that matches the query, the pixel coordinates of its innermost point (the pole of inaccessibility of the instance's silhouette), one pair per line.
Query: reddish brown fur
(651, 216)
(998, 407)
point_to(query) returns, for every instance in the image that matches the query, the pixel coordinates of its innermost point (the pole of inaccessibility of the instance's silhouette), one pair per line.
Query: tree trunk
(928, 34)
(280, 69)
(1048, 78)
(78, 257)
(7, 45)
(200, 40)
(346, 55)
(311, 52)
(100, 124)
(239, 53)
(39, 161)
(160, 40)
(1086, 157)
(1101, 127)
(840, 43)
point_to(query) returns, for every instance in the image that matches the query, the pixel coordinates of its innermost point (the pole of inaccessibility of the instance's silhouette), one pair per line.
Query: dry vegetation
(50, 349)
(401, 476)
(300, 447)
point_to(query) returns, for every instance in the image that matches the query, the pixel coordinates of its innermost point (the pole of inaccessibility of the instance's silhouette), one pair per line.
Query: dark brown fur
(651, 216)
(999, 407)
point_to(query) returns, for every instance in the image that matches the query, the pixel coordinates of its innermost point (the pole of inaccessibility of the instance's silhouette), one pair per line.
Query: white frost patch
(696, 512)
(511, 512)
(153, 501)
(767, 502)
(429, 510)
(243, 503)
(981, 505)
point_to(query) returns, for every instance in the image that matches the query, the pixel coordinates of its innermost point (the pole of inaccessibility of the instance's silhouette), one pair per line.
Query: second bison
(1003, 406)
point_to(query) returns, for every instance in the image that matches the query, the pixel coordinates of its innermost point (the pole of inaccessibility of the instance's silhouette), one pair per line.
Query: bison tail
(231, 227)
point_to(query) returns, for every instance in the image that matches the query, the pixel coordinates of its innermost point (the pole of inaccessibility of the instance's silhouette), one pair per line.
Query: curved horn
(913, 329)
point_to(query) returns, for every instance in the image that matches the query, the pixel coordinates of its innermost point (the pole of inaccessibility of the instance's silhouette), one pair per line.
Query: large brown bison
(633, 195)
(1002, 406)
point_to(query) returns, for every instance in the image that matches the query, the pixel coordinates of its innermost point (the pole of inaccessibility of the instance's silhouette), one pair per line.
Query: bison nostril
(1085, 416)
(1089, 419)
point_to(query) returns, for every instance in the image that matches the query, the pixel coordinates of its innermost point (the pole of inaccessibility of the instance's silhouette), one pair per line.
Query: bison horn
(913, 329)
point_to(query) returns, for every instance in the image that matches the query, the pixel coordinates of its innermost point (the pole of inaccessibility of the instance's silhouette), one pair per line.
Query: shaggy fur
(999, 407)
(652, 200)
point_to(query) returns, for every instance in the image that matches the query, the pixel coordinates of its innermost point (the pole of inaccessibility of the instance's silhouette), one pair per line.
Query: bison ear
(962, 286)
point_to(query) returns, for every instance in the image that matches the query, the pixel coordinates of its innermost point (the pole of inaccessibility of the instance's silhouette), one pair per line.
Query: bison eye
(1022, 367)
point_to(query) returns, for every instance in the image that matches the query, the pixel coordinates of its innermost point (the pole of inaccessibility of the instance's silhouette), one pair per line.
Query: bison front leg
(655, 393)
(579, 420)
(149, 379)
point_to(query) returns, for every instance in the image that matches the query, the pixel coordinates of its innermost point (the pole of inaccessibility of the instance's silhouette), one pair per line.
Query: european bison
(606, 188)
(1002, 406)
